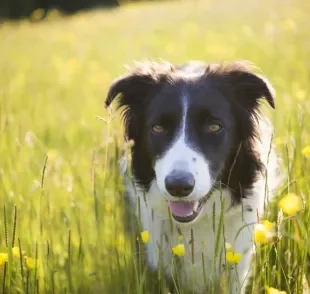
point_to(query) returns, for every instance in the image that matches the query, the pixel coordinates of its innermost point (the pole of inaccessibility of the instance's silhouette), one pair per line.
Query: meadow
(61, 196)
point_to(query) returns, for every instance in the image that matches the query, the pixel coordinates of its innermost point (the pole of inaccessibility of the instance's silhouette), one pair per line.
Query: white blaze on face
(181, 157)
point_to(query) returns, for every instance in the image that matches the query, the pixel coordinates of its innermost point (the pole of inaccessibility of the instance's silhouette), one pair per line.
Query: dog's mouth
(186, 211)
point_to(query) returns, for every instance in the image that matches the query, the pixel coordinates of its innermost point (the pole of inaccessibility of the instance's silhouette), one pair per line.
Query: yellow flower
(306, 151)
(15, 251)
(107, 207)
(271, 290)
(145, 236)
(301, 94)
(233, 257)
(178, 250)
(290, 204)
(264, 232)
(3, 258)
(289, 25)
(30, 262)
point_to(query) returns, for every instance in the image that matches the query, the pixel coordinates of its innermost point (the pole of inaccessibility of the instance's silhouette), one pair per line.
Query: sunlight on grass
(61, 226)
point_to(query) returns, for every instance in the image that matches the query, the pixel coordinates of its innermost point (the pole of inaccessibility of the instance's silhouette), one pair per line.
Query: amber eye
(157, 129)
(214, 127)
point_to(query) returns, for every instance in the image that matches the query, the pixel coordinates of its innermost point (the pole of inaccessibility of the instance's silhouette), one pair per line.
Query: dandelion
(233, 257)
(178, 250)
(306, 151)
(290, 204)
(3, 258)
(30, 262)
(145, 236)
(264, 232)
(271, 290)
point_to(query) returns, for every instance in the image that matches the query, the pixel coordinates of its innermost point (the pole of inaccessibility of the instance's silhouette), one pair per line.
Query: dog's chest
(204, 248)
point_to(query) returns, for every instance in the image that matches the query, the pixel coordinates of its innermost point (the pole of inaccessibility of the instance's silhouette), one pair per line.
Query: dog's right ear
(134, 90)
(130, 90)
(137, 86)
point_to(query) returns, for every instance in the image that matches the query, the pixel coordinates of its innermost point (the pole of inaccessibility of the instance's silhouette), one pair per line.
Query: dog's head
(193, 129)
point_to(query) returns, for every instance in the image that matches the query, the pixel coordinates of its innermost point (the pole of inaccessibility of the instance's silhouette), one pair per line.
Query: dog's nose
(179, 183)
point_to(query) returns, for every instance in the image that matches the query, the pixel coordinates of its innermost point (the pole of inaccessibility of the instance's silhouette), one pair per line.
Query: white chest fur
(202, 261)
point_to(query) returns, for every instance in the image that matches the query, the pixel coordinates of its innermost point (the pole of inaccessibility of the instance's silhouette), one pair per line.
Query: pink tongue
(181, 208)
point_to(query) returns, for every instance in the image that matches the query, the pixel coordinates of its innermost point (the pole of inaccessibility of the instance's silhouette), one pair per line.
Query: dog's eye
(157, 129)
(213, 127)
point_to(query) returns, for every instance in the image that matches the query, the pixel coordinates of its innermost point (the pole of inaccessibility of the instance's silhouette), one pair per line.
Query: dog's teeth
(196, 206)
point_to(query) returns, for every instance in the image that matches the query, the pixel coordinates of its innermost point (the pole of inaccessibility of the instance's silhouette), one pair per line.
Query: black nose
(179, 183)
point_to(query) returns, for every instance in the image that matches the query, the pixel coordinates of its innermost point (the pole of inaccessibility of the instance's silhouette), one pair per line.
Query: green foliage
(60, 191)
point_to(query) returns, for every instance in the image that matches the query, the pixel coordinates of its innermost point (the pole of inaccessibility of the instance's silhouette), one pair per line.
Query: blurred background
(24, 8)
(60, 192)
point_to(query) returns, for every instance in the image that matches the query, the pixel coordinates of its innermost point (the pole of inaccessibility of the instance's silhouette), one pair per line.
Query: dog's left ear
(248, 88)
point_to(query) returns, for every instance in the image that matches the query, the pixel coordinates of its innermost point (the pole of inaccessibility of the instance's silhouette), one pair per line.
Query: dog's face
(190, 138)
(190, 129)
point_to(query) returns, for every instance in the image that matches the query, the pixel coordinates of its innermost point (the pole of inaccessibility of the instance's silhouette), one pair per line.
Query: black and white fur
(187, 169)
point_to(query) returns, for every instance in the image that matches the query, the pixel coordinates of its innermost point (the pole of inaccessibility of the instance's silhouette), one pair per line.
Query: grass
(60, 194)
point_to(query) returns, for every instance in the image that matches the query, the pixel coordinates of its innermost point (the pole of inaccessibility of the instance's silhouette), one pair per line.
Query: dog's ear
(135, 90)
(130, 89)
(137, 86)
(246, 86)
(131, 92)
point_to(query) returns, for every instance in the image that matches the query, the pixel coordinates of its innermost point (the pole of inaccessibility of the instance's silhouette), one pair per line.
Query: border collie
(201, 157)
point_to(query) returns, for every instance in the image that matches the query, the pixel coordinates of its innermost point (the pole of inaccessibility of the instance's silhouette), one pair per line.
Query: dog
(202, 157)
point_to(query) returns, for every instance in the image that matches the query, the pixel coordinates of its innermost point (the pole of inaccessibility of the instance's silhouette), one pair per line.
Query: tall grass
(61, 196)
